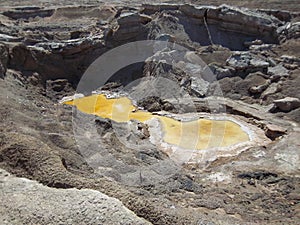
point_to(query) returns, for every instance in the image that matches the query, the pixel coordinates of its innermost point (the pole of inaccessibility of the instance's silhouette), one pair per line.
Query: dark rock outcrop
(52, 60)
(3, 59)
(28, 12)
(154, 104)
(131, 27)
(57, 89)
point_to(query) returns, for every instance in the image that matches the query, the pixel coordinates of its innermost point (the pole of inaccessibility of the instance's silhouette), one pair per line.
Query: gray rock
(255, 42)
(278, 70)
(294, 31)
(221, 72)
(287, 104)
(263, 47)
(70, 47)
(290, 59)
(219, 19)
(290, 30)
(272, 62)
(257, 62)
(9, 38)
(27, 202)
(226, 15)
(246, 62)
(165, 37)
(57, 85)
(102, 12)
(154, 107)
(229, 14)
(56, 59)
(34, 79)
(199, 86)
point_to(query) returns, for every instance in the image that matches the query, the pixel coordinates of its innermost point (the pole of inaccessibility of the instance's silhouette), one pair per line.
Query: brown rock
(273, 131)
(287, 104)
(260, 88)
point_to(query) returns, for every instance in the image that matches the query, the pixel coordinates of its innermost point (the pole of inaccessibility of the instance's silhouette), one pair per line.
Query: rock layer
(49, 40)
(26, 201)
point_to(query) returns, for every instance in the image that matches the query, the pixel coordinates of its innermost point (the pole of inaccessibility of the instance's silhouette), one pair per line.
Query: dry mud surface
(254, 57)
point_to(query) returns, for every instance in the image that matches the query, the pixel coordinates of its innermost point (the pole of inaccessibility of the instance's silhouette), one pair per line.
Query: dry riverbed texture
(189, 156)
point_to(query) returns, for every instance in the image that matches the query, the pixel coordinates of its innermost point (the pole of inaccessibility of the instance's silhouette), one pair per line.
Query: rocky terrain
(249, 65)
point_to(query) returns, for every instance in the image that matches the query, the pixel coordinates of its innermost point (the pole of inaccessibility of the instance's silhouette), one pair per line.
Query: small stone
(168, 106)
(259, 89)
(272, 89)
(291, 66)
(154, 107)
(255, 42)
(34, 79)
(273, 131)
(287, 104)
(290, 59)
(264, 47)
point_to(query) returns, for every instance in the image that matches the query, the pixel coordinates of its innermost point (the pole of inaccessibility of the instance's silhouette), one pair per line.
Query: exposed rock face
(3, 60)
(102, 12)
(57, 89)
(183, 23)
(29, 12)
(282, 15)
(131, 27)
(223, 21)
(57, 60)
(28, 202)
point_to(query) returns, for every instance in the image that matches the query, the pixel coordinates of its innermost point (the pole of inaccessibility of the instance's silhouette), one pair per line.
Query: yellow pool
(198, 134)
